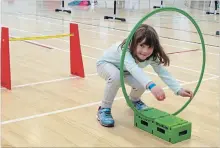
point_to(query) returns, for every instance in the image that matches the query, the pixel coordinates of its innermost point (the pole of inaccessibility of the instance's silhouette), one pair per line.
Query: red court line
(44, 46)
(183, 51)
(37, 44)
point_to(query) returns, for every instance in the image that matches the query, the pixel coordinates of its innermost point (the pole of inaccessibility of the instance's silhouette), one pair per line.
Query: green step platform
(163, 125)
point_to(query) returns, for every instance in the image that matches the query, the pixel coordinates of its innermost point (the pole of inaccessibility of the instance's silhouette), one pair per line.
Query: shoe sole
(109, 125)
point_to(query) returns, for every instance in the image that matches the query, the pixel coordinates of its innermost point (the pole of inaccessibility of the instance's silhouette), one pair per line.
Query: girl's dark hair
(149, 35)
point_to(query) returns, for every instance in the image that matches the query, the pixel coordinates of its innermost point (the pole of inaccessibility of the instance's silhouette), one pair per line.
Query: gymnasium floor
(47, 107)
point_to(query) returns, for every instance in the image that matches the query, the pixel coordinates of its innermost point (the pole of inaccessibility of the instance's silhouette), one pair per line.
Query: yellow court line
(40, 37)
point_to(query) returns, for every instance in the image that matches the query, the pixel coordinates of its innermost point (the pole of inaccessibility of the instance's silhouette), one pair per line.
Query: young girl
(144, 49)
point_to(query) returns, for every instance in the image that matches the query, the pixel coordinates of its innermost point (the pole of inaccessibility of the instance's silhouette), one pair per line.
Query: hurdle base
(157, 7)
(115, 18)
(63, 10)
(163, 125)
(212, 13)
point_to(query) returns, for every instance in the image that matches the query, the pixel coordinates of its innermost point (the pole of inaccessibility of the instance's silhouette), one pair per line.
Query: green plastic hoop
(129, 39)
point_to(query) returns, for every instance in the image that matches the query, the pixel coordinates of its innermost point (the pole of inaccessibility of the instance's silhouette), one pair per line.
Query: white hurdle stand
(63, 8)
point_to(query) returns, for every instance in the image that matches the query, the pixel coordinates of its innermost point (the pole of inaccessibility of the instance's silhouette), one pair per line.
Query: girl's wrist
(178, 93)
(151, 85)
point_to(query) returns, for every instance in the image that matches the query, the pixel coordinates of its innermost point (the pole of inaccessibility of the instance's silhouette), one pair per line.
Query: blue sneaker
(104, 117)
(139, 105)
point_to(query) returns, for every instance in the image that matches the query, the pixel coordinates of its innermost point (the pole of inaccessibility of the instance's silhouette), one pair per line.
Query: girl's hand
(185, 93)
(158, 93)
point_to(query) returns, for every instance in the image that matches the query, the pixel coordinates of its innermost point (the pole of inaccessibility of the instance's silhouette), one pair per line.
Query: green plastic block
(147, 122)
(163, 125)
(153, 113)
(172, 129)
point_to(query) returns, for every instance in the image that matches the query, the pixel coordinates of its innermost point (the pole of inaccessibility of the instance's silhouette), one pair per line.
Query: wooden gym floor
(47, 107)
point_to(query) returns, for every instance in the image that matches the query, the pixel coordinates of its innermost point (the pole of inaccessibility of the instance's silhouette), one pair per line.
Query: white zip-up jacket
(113, 55)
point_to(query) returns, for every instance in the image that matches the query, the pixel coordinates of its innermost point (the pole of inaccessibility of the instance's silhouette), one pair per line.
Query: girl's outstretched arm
(166, 77)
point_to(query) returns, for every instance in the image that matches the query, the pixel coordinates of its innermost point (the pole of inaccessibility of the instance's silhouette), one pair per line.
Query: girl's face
(143, 51)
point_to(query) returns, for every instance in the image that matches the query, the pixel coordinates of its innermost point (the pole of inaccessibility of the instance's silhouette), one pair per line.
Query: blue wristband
(151, 86)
